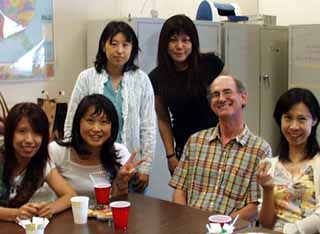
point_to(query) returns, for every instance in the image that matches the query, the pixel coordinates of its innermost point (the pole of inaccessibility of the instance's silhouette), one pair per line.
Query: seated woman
(291, 181)
(25, 166)
(92, 148)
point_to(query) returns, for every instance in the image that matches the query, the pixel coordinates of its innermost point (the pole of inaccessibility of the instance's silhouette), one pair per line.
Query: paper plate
(100, 212)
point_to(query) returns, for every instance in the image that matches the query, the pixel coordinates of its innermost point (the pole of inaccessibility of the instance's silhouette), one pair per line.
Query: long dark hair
(112, 29)
(109, 155)
(34, 175)
(285, 103)
(179, 24)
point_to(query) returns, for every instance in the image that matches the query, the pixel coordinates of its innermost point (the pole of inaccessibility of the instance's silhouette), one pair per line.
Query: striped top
(217, 178)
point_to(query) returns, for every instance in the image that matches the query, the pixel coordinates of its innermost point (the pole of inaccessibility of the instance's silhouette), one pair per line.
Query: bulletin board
(304, 56)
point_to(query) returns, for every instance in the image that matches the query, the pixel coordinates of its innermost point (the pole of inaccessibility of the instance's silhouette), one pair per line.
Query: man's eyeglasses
(216, 95)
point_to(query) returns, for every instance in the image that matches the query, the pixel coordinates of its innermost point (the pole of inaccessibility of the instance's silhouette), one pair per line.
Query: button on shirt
(217, 178)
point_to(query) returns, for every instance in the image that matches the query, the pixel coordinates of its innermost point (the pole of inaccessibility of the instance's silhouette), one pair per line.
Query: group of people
(216, 162)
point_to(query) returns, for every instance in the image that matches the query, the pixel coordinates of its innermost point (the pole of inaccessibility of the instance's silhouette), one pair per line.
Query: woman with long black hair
(25, 166)
(291, 181)
(92, 148)
(180, 84)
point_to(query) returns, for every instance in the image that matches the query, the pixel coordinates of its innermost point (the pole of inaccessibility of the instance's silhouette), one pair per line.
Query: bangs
(126, 34)
(180, 31)
(100, 109)
(39, 125)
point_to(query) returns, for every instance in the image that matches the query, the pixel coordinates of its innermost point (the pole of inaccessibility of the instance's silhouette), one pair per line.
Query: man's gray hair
(241, 88)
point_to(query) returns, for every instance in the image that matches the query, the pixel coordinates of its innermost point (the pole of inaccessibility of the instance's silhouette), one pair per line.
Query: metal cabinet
(258, 55)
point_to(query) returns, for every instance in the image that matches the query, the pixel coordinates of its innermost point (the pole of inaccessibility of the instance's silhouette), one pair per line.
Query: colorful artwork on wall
(26, 40)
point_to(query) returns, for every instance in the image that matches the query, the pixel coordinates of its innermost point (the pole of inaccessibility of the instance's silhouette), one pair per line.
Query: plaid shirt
(220, 179)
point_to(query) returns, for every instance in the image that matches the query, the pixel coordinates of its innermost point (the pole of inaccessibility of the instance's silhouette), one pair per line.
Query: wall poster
(26, 40)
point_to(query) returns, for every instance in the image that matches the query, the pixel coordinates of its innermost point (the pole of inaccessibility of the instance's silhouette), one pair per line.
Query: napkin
(215, 228)
(34, 226)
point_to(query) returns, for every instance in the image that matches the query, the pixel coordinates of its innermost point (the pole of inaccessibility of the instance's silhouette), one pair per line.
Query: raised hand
(263, 176)
(129, 168)
(142, 180)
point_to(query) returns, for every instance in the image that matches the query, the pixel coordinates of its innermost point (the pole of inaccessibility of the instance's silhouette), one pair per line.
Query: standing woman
(291, 181)
(180, 84)
(117, 77)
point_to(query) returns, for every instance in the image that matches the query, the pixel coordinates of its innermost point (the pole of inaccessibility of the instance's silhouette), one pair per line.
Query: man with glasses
(218, 165)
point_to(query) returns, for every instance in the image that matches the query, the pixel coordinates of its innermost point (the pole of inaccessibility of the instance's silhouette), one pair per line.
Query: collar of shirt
(242, 138)
(107, 76)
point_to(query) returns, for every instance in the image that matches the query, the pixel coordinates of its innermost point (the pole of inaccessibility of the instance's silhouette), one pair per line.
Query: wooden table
(147, 216)
(257, 230)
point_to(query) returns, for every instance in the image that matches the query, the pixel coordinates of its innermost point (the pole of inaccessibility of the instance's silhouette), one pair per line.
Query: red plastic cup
(120, 214)
(102, 192)
(220, 219)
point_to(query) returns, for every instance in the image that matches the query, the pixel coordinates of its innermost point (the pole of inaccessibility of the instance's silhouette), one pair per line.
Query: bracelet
(171, 155)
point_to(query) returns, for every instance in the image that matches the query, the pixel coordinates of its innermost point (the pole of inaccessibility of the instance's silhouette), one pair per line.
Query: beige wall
(167, 8)
(70, 19)
(292, 12)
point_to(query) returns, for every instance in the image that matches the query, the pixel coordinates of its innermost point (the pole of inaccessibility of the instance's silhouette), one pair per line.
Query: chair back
(3, 108)
(3, 114)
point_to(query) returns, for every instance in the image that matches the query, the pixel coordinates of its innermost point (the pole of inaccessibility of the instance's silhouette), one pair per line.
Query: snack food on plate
(100, 212)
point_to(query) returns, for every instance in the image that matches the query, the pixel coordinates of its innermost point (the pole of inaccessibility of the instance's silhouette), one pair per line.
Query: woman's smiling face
(95, 129)
(296, 124)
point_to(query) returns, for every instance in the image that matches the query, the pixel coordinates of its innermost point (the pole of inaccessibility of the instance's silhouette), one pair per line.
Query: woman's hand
(172, 164)
(45, 209)
(127, 171)
(129, 168)
(263, 176)
(142, 182)
(27, 211)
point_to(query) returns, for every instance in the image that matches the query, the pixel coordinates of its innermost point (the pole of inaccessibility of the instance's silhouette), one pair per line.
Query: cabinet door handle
(265, 77)
(266, 80)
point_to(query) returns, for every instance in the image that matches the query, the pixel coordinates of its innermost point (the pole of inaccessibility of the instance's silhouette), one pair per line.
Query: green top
(116, 98)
